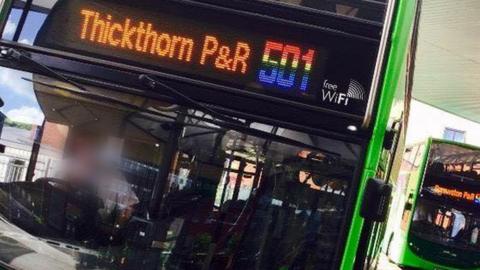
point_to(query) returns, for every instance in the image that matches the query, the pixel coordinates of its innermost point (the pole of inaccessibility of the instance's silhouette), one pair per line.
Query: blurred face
(94, 164)
(82, 161)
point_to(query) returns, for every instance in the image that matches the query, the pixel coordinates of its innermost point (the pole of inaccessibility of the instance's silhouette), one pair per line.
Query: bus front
(445, 225)
(186, 134)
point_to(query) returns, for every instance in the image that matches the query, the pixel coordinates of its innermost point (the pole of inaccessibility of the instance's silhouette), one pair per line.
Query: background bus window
(447, 212)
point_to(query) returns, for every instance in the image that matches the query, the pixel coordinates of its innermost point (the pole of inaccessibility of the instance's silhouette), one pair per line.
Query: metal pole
(23, 18)
(35, 150)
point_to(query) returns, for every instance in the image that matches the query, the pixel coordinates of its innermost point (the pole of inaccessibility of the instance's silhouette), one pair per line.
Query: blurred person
(458, 226)
(94, 167)
(474, 235)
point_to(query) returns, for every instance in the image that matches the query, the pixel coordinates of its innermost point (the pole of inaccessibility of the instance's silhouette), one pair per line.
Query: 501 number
(276, 72)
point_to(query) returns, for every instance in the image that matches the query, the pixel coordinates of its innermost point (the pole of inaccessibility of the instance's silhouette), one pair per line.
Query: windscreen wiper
(229, 122)
(155, 84)
(224, 125)
(23, 57)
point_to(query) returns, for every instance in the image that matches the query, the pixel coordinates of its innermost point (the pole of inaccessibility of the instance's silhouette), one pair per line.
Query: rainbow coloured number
(278, 73)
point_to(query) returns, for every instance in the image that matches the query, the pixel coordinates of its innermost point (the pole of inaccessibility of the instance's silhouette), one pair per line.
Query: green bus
(200, 134)
(434, 223)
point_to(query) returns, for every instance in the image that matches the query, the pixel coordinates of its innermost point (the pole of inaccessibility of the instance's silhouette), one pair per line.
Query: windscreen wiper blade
(24, 57)
(229, 122)
(153, 84)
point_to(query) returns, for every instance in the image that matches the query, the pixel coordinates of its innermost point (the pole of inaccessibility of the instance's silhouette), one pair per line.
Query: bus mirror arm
(376, 200)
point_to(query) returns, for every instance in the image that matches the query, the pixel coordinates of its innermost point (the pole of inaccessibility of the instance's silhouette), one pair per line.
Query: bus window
(165, 187)
(476, 167)
(369, 10)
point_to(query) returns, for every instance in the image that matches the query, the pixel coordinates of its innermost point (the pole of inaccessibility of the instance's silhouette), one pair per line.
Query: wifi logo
(356, 90)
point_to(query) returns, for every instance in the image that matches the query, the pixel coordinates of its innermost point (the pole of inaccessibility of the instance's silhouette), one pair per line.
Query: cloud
(11, 80)
(26, 41)
(10, 28)
(28, 115)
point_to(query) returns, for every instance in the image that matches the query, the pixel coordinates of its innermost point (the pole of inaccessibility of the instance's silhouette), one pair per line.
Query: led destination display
(452, 190)
(454, 193)
(252, 55)
(141, 37)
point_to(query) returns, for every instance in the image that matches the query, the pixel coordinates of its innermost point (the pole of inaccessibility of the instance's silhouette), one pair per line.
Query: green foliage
(11, 123)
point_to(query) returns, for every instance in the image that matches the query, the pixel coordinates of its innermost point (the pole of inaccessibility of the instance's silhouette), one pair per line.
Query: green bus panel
(399, 40)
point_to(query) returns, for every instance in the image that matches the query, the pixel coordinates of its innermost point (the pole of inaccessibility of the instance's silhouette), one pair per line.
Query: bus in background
(199, 134)
(437, 200)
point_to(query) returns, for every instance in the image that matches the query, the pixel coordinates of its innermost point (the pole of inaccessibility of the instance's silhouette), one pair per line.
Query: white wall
(427, 121)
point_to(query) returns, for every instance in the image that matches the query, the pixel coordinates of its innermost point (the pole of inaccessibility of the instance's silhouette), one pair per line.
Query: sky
(20, 101)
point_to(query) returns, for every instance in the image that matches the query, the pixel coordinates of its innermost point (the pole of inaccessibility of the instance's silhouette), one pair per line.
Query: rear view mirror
(376, 200)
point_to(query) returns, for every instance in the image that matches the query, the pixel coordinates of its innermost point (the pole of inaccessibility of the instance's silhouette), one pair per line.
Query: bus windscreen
(168, 187)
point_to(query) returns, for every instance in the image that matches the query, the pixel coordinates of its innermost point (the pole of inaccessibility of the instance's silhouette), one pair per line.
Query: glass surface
(448, 210)
(446, 225)
(448, 135)
(371, 10)
(280, 62)
(362, 9)
(115, 181)
(454, 135)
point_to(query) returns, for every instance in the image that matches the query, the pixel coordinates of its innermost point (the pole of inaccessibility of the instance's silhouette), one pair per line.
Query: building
(428, 121)
(18, 143)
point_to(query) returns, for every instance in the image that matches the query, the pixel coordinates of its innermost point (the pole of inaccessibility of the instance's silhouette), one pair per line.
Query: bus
(437, 199)
(199, 134)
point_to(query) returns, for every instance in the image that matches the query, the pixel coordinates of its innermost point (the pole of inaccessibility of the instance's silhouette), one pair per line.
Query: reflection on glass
(446, 225)
(363, 9)
(371, 10)
(34, 20)
(101, 185)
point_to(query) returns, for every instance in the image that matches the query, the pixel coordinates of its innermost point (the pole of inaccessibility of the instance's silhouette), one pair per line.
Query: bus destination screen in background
(452, 189)
(254, 56)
